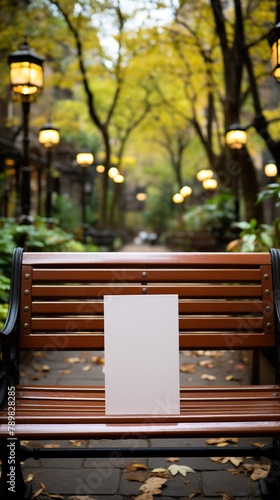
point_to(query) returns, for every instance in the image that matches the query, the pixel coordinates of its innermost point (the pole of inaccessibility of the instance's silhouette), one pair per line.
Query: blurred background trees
(150, 87)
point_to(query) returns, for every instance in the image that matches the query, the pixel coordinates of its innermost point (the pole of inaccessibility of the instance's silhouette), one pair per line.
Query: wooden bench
(226, 301)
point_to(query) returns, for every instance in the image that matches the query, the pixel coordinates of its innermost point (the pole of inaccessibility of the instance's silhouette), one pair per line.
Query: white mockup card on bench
(141, 355)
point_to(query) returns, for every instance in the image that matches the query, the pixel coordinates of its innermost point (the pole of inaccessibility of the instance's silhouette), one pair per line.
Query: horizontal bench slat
(156, 259)
(150, 275)
(188, 324)
(168, 430)
(90, 341)
(188, 306)
(89, 291)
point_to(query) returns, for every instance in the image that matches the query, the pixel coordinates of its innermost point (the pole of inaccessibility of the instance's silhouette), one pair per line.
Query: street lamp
(186, 191)
(274, 42)
(49, 136)
(26, 77)
(236, 136)
(178, 198)
(141, 194)
(210, 184)
(270, 169)
(204, 174)
(236, 139)
(84, 159)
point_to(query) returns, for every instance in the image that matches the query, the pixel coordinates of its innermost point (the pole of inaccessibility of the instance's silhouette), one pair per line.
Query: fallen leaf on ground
(81, 498)
(65, 372)
(87, 368)
(41, 368)
(224, 460)
(38, 492)
(145, 496)
(161, 472)
(235, 471)
(137, 475)
(97, 360)
(225, 496)
(221, 440)
(172, 459)
(135, 466)
(194, 494)
(187, 368)
(76, 442)
(31, 476)
(206, 362)
(221, 460)
(181, 469)
(257, 471)
(206, 376)
(37, 354)
(153, 485)
(259, 445)
(74, 360)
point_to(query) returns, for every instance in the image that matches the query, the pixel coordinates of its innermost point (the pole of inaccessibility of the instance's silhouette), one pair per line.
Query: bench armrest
(8, 335)
(12, 315)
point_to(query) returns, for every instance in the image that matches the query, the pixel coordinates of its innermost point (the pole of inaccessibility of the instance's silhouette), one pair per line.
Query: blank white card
(141, 355)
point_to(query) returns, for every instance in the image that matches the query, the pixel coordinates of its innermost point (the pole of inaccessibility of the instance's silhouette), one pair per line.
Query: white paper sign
(141, 355)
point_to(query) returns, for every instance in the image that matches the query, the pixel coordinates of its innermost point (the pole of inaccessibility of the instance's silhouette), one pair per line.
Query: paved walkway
(115, 478)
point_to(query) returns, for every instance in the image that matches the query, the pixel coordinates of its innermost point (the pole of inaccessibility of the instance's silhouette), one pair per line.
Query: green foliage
(158, 210)
(215, 215)
(4, 289)
(254, 237)
(67, 213)
(271, 191)
(3, 314)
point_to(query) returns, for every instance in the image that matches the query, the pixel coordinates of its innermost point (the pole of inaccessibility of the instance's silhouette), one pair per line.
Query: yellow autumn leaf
(86, 368)
(187, 368)
(179, 469)
(259, 473)
(153, 485)
(38, 492)
(74, 360)
(206, 376)
(135, 466)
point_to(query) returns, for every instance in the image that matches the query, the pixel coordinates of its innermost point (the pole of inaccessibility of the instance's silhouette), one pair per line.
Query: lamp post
(84, 159)
(274, 42)
(26, 77)
(236, 139)
(49, 136)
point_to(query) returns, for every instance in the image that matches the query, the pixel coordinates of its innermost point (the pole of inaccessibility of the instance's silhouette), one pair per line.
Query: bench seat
(50, 412)
(225, 302)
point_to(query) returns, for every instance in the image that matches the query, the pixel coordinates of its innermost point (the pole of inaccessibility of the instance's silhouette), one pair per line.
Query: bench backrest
(225, 300)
